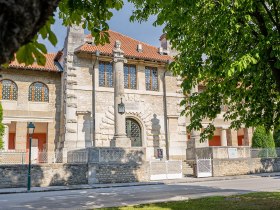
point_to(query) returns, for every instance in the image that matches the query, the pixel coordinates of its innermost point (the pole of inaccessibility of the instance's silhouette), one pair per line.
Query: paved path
(116, 196)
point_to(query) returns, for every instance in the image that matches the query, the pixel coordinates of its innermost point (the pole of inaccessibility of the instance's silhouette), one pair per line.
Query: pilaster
(6, 137)
(74, 39)
(21, 136)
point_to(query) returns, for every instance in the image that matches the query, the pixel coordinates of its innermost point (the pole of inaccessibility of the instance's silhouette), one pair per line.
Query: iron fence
(21, 157)
(265, 152)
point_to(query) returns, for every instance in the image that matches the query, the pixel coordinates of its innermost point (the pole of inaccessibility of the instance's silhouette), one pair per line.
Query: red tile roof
(49, 66)
(128, 45)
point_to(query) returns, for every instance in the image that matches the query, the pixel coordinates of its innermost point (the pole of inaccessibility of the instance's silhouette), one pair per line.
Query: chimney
(89, 40)
(160, 50)
(139, 48)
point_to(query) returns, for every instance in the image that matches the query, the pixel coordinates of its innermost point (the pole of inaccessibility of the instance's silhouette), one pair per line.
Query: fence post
(266, 152)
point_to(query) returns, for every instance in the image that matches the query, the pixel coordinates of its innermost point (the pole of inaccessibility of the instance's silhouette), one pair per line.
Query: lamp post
(30, 128)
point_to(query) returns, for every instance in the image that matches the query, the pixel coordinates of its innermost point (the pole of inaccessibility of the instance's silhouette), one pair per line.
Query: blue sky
(144, 32)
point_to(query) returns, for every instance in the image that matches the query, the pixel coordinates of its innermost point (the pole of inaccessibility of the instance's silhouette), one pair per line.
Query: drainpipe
(97, 54)
(165, 113)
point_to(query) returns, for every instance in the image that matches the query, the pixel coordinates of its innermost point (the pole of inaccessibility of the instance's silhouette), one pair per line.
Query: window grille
(8, 90)
(105, 74)
(151, 78)
(38, 92)
(133, 131)
(130, 77)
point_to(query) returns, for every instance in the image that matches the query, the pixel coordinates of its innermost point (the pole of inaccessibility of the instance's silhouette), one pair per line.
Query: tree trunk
(20, 20)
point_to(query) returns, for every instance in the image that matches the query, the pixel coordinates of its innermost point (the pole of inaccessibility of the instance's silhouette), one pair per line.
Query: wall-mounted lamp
(121, 107)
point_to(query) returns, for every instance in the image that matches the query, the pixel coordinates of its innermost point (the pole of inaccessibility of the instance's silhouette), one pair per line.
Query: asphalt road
(118, 196)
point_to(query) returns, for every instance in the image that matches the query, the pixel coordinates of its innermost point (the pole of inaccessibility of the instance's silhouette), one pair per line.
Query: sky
(144, 32)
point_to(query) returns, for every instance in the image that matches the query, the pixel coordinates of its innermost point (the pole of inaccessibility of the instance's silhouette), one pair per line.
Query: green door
(133, 131)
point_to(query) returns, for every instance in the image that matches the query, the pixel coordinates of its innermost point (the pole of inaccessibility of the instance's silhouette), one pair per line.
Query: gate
(203, 167)
(160, 170)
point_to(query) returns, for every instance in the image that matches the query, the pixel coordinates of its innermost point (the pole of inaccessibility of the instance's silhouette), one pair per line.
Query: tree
(1, 128)
(22, 21)
(276, 136)
(232, 47)
(262, 138)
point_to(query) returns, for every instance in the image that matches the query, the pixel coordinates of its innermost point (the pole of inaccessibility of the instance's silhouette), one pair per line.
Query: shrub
(276, 136)
(264, 139)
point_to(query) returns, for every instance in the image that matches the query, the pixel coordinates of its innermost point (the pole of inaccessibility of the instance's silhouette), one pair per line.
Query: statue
(118, 44)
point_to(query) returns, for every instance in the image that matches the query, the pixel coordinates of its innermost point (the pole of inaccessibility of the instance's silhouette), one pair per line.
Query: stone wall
(118, 172)
(73, 174)
(43, 175)
(230, 167)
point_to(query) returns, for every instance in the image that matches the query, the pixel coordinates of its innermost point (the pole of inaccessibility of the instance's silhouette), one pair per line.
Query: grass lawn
(259, 201)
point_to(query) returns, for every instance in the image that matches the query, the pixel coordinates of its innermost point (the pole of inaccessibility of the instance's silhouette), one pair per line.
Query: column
(232, 137)
(120, 139)
(21, 136)
(248, 134)
(224, 137)
(6, 138)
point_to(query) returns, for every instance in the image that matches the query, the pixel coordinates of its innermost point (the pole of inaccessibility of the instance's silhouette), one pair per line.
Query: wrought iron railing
(265, 152)
(21, 157)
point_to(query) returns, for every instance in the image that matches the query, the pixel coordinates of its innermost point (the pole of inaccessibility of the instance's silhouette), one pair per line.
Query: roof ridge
(110, 30)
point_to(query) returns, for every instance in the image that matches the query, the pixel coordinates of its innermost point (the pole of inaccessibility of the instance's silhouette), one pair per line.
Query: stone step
(187, 170)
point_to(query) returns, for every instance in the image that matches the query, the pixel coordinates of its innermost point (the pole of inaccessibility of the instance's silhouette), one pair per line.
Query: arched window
(38, 92)
(8, 90)
(133, 131)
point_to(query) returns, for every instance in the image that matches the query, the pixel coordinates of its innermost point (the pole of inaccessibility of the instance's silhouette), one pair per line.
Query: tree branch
(270, 16)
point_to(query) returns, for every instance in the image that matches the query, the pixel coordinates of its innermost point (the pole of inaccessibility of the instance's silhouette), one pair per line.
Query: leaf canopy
(232, 47)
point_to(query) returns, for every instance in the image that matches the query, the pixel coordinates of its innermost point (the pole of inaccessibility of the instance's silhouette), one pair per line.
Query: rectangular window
(130, 77)
(105, 74)
(151, 78)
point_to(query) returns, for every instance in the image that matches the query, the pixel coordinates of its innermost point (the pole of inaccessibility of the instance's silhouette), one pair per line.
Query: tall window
(8, 90)
(151, 77)
(130, 78)
(105, 74)
(38, 92)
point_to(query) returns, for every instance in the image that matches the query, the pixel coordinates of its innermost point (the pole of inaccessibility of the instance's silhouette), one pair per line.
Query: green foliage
(92, 14)
(231, 47)
(276, 136)
(262, 138)
(1, 127)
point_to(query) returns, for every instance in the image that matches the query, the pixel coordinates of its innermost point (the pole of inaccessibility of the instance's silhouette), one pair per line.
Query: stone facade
(45, 115)
(89, 113)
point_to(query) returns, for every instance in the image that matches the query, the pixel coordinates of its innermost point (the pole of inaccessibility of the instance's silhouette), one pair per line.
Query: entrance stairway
(187, 169)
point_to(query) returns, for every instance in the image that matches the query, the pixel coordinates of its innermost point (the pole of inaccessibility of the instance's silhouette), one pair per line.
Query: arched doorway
(133, 131)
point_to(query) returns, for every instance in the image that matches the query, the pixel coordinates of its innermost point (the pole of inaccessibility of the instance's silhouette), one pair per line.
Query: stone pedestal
(120, 139)
(194, 143)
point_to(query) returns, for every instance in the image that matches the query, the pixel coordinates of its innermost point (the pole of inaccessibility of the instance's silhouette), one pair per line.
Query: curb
(79, 188)
(174, 181)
